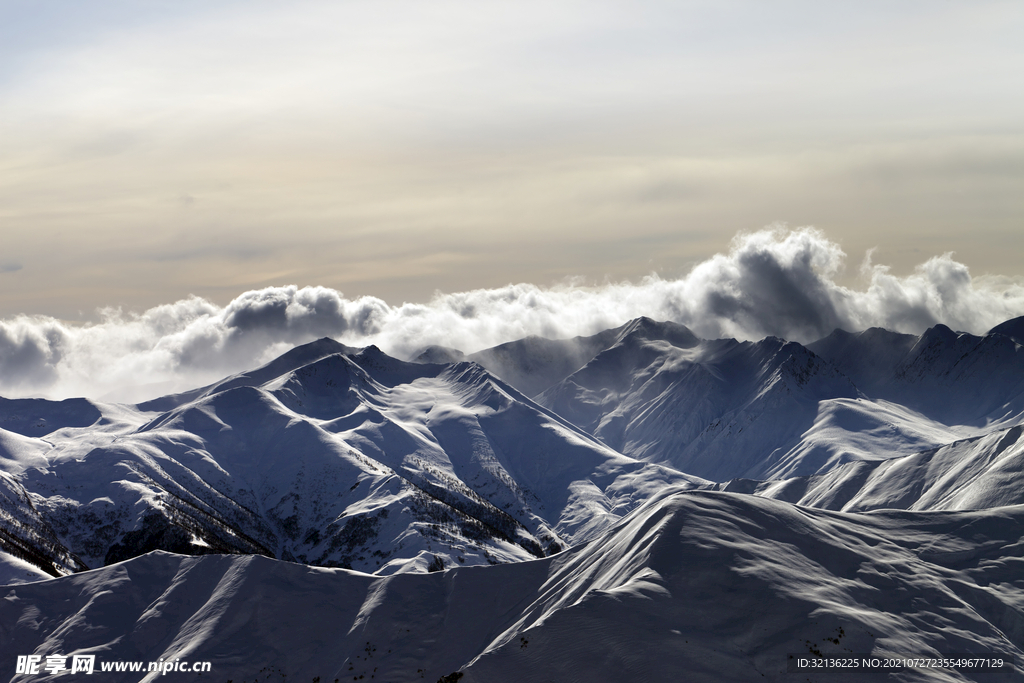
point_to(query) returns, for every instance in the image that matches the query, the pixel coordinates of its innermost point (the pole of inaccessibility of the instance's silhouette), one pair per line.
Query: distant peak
(371, 351)
(439, 355)
(1013, 328)
(882, 333)
(373, 355)
(289, 361)
(321, 345)
(939, 332)
(870, 335)
(327, 342)
(652, 330)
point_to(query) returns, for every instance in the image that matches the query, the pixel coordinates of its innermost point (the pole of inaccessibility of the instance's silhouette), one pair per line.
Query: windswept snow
(972, 474)
(14, 570)
(692, 586)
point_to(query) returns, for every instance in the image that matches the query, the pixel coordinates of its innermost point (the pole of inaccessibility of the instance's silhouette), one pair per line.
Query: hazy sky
(152, 150)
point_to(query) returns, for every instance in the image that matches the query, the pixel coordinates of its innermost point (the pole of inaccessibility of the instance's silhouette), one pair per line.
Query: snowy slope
(977, 473)
(287, 362)
(869, 358)
(324, 456)
(1014, 329)
(719, 409)
(692, 586)
(14, 570)
(770, 409)
(531, 364)
(952, 377)
(37, 417)
(26, 533)
(534, 364)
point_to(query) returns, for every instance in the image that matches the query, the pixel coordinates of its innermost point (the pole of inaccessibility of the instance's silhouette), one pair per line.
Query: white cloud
(771, 282)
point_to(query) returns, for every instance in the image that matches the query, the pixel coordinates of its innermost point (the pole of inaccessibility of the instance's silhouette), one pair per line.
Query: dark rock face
(160, 533)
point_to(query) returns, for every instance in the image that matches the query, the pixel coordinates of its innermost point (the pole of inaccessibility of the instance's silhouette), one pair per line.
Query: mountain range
(564, 509)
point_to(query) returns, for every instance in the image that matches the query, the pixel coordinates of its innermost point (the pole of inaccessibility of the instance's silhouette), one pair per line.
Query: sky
(187, 156)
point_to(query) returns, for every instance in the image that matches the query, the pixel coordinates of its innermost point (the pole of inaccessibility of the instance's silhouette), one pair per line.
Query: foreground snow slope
(327, 456)
(692, 586)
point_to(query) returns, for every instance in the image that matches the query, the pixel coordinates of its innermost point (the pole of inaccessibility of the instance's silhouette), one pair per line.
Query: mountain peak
(938, 332)
(283, 364)
(651, 330)
(1013, 328)
(439, 355)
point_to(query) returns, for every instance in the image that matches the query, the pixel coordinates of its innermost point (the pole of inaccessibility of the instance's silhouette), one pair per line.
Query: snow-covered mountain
(664, 507)
(327, 456)
(724, 409)
(971, 474)
(951, 377)
(531, 364)
(719, 408)
(693, 586)
(336, 456)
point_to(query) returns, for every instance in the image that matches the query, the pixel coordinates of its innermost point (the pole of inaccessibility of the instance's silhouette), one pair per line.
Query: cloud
(774, 281)
(9, 267)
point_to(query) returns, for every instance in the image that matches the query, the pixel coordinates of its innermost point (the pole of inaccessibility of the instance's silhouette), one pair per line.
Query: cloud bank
(772, 282)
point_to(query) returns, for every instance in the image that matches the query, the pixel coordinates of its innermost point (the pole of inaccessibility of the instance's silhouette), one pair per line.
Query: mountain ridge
(338, 512)
(344, 458)
(645, 600)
